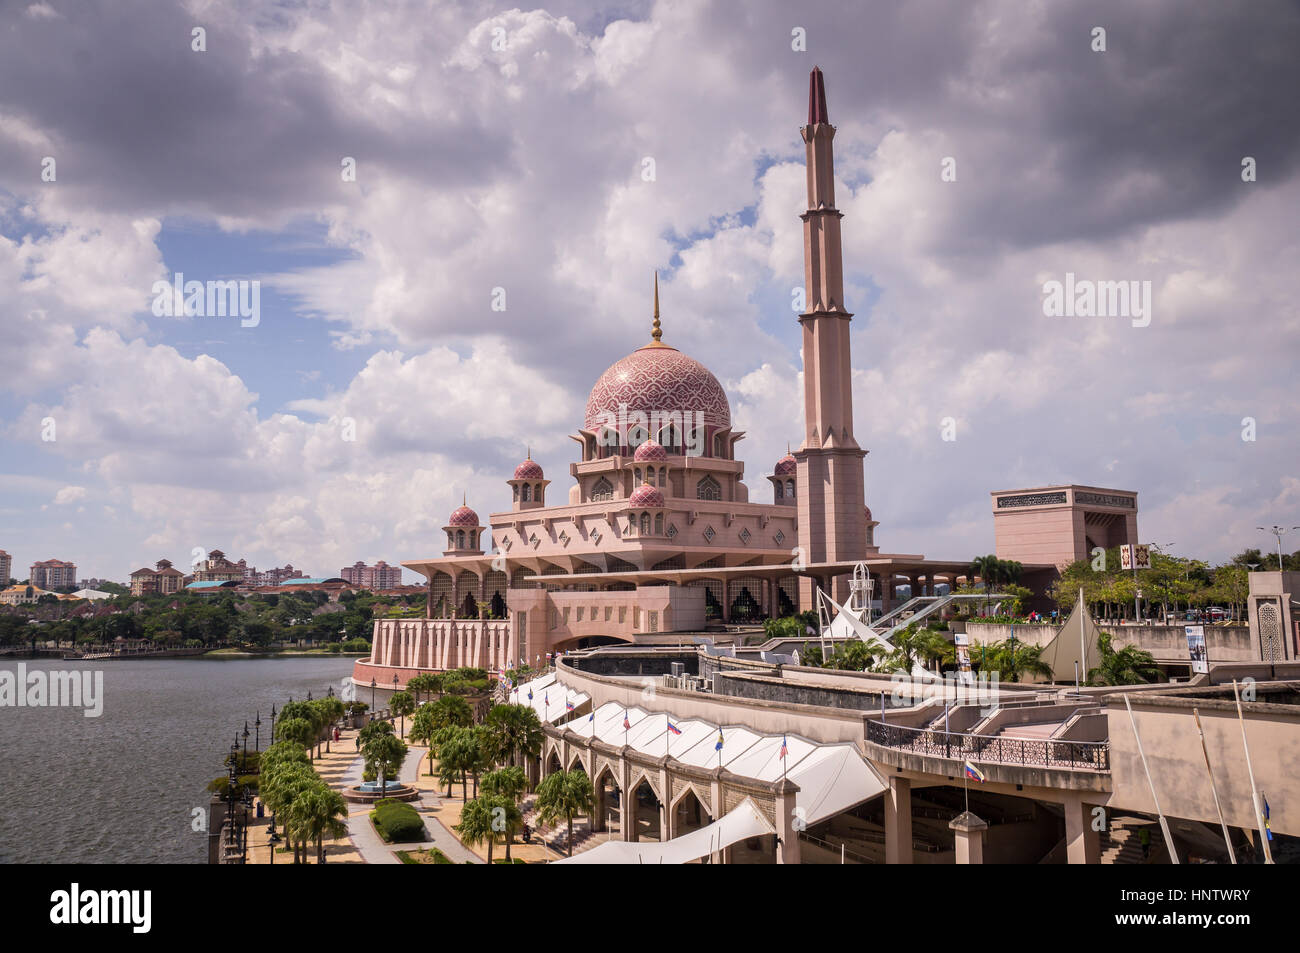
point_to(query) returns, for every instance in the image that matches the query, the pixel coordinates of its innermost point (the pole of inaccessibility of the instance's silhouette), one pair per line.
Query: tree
(452, 710)
(402, 704)
(384, 755)
(564, 794)
(1127, 666)
(485, 818)
(510, 784)
(296, 731)
(317, 812)
(458, 754)
(280, 789)
(516, 733)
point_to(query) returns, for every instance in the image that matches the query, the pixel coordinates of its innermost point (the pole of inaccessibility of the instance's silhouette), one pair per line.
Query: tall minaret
(832, 507)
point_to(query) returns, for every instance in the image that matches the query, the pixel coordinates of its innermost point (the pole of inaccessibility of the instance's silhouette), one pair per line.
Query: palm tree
(483, 818)
(401, 704)
(564, 794)
(452, 710)
(280, 789)
(516, 732)
(986, 567)
(1020, 658)
(298, 731)
(318, 813)
(384, 754)
(458, 753)
(510, 784)
(1127, 666)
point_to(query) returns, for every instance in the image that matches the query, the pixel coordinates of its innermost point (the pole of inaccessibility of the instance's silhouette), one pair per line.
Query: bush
(397, 821)
(422, 856)
(356, 645)
(334, 647)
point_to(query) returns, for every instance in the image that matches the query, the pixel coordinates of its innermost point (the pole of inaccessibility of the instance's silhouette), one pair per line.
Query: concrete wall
(1168, 643)
(1173, 750)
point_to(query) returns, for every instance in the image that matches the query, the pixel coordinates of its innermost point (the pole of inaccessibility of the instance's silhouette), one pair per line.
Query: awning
(551, 700)
(746, 820)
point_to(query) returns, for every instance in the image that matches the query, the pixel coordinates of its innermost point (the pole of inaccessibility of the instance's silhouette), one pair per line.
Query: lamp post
(257, 732)
(244, 761)
(1279, 532)
(272, 723)
(390, 701)
(373, 683)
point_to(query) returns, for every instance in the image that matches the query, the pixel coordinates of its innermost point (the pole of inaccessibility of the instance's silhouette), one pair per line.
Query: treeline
(191, 620)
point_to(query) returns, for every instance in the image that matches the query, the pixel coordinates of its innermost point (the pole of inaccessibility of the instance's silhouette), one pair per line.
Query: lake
(122, 787)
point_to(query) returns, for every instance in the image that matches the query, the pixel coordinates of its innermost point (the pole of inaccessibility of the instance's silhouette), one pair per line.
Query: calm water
(120, 788)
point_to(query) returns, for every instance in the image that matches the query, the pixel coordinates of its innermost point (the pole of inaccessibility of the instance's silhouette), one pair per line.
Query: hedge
(397, 821)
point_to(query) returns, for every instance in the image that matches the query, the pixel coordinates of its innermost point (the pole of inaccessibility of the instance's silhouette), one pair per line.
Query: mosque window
(516, 489)
(719, 446)
(789, 488)
(636, 476)
(671, 439)
(645, 524)
(659, 524)
(602, 490)
(708, 489)
(460, 539)
(527, 494)
(780, 490)
(537, 493)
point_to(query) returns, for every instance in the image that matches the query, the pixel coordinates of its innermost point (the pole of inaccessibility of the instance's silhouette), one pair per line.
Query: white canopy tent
(746, 820)
(549, 698)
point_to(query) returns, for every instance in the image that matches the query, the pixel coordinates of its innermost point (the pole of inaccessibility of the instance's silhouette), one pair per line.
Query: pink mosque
(658, 535)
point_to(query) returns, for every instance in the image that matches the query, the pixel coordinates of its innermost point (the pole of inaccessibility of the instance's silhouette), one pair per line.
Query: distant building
(6, 564)
(164, 579)
(217, 568)
(276, 577)
(93, 595)
(53, 574)
(27, 595)
(379, 576)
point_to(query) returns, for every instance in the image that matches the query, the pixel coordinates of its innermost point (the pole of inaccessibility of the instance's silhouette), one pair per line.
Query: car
(1216, 613)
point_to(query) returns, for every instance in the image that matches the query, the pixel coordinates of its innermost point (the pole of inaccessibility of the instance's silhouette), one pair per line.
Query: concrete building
(379, 576)
(1273, 609)
(163, 579)
(1057, 525)
(6, 565)
(53, 574)
(217, 568)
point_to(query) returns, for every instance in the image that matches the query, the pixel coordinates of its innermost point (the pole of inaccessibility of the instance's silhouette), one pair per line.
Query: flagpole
(1164, 824)
(1214, 789)
(1254, 792)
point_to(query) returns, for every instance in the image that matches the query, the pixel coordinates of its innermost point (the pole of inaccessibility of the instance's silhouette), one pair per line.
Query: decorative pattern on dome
(646, 495)
(868, 511)
(529, 470)
(658, 379)
(462, 516)
(651, 451)
(787, 465)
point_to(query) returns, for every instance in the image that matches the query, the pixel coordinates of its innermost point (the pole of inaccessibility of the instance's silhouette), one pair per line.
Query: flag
(546, 699)
(592, 716)
(626, 724)
(568, 706)
(718, 745)
(530, 694)
(784, 748)
(674, 729)
(1267, 829)
(974, 773)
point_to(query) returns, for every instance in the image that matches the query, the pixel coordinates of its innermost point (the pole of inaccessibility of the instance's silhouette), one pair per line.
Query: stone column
(716, 812)
(1082, 842)
(626, 801)
(788, 847)
(898, 821)
(969, 836)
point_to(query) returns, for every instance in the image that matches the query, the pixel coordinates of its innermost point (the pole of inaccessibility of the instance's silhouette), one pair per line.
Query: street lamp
(373, 683)
(1279, 532)
(257, 732)
(245, 756)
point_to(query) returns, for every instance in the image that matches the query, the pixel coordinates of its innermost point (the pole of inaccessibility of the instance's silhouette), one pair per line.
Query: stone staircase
(1120, 845)
(557, 838)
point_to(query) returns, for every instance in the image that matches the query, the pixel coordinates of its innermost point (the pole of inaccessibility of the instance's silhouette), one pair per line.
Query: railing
(1084, 755)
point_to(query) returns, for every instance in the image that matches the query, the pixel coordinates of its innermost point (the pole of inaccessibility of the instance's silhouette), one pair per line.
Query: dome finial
(529, 454)
(656, 332)
(464, 498)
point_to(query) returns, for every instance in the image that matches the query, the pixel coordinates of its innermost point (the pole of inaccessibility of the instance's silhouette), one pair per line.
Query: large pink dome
(658, 378)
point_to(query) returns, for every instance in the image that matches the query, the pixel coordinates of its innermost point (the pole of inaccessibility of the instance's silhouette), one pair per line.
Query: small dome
(462, 516)
(529, 470)
(646, 495)
(650, 451)
(868, 512)
(787, 465)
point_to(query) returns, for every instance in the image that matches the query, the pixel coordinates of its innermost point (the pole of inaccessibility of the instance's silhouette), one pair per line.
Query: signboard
(1196, 648)
(1137, 556)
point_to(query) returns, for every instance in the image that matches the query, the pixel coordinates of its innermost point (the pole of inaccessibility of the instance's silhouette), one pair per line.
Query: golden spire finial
(529, 455)
(464, 499)
(656, 333)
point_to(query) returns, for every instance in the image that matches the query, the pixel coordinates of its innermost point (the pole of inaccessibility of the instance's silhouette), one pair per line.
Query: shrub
(356, 645)
(334, 647)
(397, 821)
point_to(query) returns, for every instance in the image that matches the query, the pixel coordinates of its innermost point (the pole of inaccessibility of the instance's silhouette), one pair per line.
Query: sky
(983, 150)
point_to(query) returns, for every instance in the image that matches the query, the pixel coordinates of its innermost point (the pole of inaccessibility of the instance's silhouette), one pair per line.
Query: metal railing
(1032, 752)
